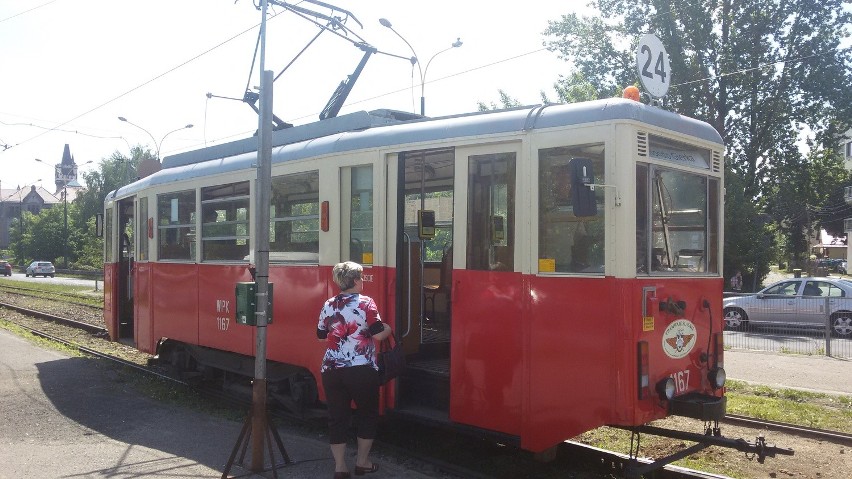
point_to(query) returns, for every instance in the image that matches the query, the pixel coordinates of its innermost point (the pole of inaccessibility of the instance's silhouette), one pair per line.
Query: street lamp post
(156, 144)
(415, 60)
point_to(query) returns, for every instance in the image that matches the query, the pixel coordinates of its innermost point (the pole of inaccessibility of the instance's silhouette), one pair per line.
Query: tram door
(125, 229)
(424, 240)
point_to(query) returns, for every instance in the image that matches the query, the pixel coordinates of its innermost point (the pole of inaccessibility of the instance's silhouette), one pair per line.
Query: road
(91, 283)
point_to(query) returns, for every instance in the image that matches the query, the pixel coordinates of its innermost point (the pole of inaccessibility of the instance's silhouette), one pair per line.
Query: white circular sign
(679, 338)
(652, 63)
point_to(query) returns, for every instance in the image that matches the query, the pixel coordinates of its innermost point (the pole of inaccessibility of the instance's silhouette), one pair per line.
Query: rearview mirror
(582, 197)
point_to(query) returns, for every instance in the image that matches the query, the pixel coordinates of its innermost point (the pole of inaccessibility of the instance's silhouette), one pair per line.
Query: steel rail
(56, 319)
(801, 431)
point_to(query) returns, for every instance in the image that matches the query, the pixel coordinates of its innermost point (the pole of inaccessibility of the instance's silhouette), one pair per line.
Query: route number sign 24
(652, 63)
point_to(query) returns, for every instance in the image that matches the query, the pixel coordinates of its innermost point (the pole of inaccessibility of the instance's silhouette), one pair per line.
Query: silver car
(803, 301)
(40, 268)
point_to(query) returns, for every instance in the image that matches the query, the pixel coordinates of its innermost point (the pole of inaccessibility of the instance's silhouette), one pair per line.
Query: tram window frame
(665, 249)
(295, 215)
(108, 232)
(491, 211)
(176, 234)
(585, 253)
(356, 214)
(226, 237)
(142, 229)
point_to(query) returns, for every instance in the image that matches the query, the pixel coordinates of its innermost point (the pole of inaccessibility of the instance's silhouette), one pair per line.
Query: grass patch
(38, 340)
(803, 408)
(80, 294)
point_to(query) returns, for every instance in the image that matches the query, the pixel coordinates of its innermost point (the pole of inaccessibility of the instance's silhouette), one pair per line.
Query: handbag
(390, 359)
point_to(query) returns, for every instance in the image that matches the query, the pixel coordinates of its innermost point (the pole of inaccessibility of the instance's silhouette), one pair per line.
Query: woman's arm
(382, 335)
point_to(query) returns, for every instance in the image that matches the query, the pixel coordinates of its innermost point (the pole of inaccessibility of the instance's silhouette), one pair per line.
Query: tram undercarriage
(712, 437)
(290, 387)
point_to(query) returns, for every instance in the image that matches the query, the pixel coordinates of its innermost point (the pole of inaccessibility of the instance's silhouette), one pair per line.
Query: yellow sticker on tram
(648, 323)
(367, 258)
(547, 265)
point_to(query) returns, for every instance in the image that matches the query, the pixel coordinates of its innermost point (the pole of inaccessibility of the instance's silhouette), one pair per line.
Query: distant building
(34, 198)
(828, 246)
(13, 201)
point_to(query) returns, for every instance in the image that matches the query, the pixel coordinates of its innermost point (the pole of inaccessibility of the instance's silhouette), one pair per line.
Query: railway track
(609, 460)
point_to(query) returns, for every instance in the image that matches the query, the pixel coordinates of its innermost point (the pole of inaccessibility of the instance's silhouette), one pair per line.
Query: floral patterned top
(347, 318)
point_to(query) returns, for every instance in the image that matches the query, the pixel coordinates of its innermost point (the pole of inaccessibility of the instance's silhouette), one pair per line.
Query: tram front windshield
(677, 215)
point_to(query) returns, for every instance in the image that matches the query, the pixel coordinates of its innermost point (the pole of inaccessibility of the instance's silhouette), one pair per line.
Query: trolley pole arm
(251, 99)
(332, 108)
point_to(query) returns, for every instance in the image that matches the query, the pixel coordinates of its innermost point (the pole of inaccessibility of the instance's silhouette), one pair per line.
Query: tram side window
(176, 225)
(294, 213)
(491, 212)
(567, 243)
(142, 229)
(357, 214)
(110, 256)
(225, 223)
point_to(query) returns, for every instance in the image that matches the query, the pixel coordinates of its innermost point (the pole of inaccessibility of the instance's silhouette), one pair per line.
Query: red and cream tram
(551, 269)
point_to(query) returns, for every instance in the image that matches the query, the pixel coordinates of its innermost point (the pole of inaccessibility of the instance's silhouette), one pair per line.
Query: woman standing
(350, 324)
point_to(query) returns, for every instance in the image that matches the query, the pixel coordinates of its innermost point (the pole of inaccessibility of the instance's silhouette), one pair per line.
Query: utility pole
(258, 420)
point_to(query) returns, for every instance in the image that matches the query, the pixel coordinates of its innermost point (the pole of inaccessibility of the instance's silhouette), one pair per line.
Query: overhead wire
(145, 83)
(220, 44)
(27, 11)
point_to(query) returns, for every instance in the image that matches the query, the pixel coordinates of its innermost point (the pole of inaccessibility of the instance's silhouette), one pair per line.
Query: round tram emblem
(679, 338)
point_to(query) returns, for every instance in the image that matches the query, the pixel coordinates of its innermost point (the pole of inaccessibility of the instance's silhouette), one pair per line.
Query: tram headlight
(717, 377)
(666, 388)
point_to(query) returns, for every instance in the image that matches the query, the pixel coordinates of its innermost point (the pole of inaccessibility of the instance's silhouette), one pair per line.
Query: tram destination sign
(693, 159)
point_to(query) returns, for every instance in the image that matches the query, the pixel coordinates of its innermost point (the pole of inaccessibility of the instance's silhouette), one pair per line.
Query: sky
(70, 68)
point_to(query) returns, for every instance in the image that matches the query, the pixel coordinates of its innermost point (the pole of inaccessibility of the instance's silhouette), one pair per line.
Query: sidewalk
(68, 417)
(808, 373)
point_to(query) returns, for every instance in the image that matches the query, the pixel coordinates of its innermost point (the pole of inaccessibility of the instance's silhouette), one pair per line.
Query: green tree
(801, 196)
(114, 172)
(506, 101)
(43, 236)
(759, 71)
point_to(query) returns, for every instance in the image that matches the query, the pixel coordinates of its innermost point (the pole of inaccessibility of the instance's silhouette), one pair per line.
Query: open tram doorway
(124, 293)
(424, 245)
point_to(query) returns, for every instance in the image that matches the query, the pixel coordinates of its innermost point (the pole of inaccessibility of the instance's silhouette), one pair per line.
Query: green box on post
(247, 304)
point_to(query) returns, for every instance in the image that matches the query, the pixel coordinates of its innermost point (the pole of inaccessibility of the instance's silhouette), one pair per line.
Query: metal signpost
(257, 424)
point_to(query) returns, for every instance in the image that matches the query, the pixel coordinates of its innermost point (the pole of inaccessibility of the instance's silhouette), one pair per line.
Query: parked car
(5, 268)
(832, 264)
(44, 268)
(796, 300)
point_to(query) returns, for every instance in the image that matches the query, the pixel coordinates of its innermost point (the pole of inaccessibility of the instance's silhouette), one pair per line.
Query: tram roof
(383, 128)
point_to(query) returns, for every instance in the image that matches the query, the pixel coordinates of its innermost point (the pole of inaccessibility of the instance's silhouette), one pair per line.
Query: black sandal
(360, 471)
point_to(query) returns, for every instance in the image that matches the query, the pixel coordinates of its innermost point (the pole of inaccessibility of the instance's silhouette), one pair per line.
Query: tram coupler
(759, 447)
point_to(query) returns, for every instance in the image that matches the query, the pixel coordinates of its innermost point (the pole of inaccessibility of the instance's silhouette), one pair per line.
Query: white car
(803, 301)
(43, 268)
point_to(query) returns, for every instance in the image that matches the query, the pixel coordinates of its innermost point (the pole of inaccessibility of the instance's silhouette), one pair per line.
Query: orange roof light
(631, 93)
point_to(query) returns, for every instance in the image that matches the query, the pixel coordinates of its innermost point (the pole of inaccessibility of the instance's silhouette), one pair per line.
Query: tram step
(424, 388)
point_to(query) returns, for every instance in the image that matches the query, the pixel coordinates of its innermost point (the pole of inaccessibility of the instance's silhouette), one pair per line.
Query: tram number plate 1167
(681, 380)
